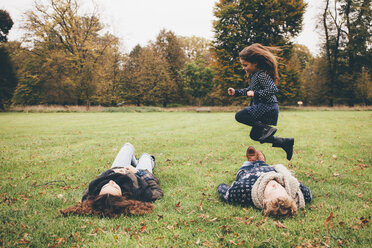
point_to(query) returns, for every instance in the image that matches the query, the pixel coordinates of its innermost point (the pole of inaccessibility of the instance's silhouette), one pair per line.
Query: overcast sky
(139, 21)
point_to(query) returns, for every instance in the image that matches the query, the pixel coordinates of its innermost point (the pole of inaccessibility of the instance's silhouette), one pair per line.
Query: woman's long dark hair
(265, 60)
(108, 205)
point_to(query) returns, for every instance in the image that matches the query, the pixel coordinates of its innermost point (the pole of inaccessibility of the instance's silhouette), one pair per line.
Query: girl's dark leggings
(257, 127)
(245, 117)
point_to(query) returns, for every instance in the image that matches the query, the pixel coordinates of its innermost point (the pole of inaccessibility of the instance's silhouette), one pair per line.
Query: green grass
(195, 152)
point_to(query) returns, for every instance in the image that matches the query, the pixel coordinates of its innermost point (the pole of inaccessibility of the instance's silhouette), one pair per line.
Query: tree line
(65, 58)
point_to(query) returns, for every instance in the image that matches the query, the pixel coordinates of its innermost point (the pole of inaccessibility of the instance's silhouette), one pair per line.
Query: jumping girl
(262, 70)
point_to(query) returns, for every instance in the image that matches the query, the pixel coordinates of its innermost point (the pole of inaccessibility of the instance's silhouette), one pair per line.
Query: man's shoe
(261, 156)
(251, 154)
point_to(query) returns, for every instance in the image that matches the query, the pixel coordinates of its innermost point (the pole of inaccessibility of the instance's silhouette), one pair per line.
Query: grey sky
(139, 21)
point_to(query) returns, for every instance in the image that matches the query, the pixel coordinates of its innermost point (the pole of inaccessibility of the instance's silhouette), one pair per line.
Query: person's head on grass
(276, 201)
(110, 201)
(109, 205)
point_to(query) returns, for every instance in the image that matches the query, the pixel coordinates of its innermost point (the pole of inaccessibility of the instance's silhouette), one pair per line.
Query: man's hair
(108, 205)
(280, 207)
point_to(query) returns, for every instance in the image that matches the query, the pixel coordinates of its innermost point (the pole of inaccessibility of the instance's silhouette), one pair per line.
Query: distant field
(48, 159)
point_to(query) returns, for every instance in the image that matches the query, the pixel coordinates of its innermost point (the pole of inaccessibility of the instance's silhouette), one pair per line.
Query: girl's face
(110, 188)
(248, 66)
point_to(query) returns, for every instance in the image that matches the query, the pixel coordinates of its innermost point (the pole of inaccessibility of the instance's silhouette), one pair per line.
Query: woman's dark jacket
(141, 186)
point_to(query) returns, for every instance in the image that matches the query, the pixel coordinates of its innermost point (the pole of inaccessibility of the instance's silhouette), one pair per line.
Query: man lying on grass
(271, 188)
(128, 187)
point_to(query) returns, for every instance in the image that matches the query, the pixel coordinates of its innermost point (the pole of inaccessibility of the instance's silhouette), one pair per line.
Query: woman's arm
(152, 182)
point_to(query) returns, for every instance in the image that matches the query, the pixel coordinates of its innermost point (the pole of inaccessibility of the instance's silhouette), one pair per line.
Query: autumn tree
(314, 78)
(58, 29)
(146, 78)
(168, 45)
(128, 88)
(240, 23)
(297, 64)
(196, 48)
(108, 76)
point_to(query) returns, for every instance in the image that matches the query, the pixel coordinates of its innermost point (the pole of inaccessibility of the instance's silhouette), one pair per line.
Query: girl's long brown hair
(109, 206)
(265, 60)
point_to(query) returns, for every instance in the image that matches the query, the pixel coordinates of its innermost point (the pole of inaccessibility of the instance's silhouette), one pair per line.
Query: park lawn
(48, 159)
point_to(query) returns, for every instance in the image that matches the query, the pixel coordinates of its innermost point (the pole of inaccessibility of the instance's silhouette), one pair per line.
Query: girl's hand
(231, 91)
(131, 169)
(250, 93)
(125, 170)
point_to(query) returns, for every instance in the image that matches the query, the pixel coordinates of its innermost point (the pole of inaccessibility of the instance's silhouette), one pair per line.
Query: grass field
(48, 159)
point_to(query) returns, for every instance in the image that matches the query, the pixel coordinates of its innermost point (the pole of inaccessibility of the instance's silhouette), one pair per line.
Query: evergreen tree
(8, 79)
(6, 23)
(197, 78)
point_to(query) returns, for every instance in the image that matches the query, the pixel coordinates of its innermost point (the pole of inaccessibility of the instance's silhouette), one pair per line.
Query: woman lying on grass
(271, 188)
(128, 187)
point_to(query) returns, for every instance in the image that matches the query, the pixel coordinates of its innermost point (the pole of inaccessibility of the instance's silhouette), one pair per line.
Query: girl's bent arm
(242, 92)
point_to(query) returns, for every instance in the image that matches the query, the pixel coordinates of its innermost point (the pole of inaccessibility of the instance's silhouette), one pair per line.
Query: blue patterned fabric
(240, 191)
(264, 105)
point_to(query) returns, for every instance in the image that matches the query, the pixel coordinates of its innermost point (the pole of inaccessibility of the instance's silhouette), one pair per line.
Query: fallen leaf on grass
(23, 241)
(328, 221)
(143, 228)
(60, 240)
(116, 228)
(198, 241)
(278, 224)
(178, 206)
